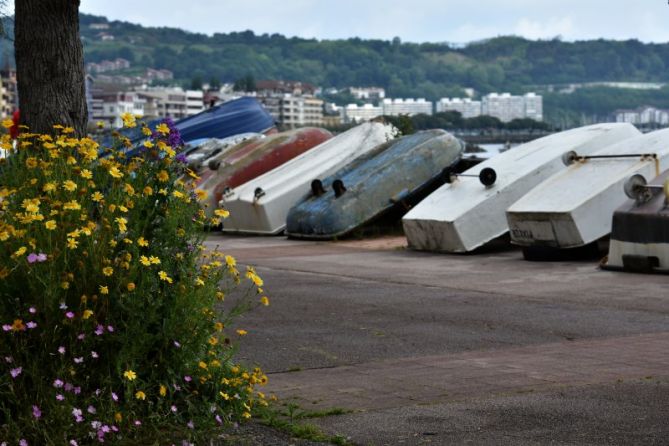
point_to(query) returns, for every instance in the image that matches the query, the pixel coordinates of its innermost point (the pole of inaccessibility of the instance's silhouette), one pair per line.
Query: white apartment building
(506, 107)
(299, 111)
(465, 106)
(368, 93)
(174, 103)
(360, 113)
(643, 116)
(396, 107)
(9, 99)
(108, 106)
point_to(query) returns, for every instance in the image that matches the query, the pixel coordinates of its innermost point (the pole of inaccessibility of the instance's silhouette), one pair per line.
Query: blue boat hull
(392, 176)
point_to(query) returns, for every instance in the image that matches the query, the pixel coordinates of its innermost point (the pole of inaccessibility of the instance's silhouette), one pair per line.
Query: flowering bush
(113, 326)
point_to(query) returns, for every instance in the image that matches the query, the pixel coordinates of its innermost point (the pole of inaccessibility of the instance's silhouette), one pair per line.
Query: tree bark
(50, 65)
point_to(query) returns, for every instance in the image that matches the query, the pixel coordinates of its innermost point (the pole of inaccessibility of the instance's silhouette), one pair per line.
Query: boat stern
(547, 229)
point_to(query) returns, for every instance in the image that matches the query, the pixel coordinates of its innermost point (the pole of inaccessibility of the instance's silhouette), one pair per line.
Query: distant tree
(246, 83)
(403, 123)
(196, 83)
(50, 65)
(214, 83)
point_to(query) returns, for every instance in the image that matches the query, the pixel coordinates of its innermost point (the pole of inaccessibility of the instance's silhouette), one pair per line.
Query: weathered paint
(574, 207)
(251, 159)
(285, 185)
(465, 214)
(391, 175)
(642, 229)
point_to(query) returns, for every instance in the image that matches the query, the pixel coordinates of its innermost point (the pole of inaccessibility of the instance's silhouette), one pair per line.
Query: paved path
(440, 378)
(453, 349)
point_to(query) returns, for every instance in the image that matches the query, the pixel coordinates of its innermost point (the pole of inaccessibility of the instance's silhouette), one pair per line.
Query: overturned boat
(253, 158)
(261, 205)
(573, 208)
(396, 173)
(640, 228)
(243, 115)
(470, 211)
(199, 151)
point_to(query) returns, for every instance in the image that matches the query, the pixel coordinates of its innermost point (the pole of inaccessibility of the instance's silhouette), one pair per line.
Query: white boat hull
(574, 207)
(464, 215)
(285, 185)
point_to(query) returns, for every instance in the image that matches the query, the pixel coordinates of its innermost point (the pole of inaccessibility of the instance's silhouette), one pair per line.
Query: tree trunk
(50, 65)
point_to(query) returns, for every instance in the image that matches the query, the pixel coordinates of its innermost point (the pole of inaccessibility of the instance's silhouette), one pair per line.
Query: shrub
(113, 326)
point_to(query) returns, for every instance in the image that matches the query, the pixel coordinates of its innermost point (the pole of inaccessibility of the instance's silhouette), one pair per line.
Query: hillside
(429, 70)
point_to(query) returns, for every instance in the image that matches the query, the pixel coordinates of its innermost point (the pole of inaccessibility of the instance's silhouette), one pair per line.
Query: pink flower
(76, 413)
(177, 344)
(91, 409)
(79, 360)
(41, 257)
(114, 396)
(94, 355)
(187, 378)
(110, 329)
(74, 443)
(81, 336)
(61, 350)
(6, 327)
(138, 423)
(69, 315)
(36, 412)
(31, 324)
(173, 409)
(16, 372)
(23, 442)
(77, 390)
(191, 425)
(99, 330)
(58, 383)
(32, 310)
(32, 257)
(60, 397)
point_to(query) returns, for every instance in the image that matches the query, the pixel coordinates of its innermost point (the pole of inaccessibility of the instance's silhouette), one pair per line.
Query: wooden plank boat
(465, 214)
(396, 173)
(573, 208)
(252, 158)
(640, 228)
(261, 205)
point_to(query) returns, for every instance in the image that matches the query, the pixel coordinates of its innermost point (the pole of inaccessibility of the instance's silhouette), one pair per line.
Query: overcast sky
(411, 20)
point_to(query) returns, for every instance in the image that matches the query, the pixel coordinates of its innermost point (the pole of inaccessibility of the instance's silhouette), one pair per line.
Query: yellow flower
(264, 300)
(163, 390)
(202, 365)
(163, 276)
(221, 213)
(163, 129)
(177, 194)
(69, 185)
(114, 172)
(146, 131)
(230, 261)
(246, 415)
(224, 395)
(121, 224)
(107, 271)
(199, 282)
(148, 144)
(50, 225)
(201, 194)
(131, 286)
(144, 260)
(72, 206)
(128, 120)
(118, 417)
(48, 187)
(212, 341)
(129, 375)
(140, 395)
(72, 243)
(219, 326)
(31, 162)
(163, 176)
(87, 174)
(104, 289)
(220, 295)
(154, 260)
(7, 123)
(148, 190)
(97, 196)
(87, 314)
(241, 332)
(142, 242)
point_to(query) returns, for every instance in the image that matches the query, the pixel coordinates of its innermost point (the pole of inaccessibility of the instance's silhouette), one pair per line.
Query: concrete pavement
(401, 336)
